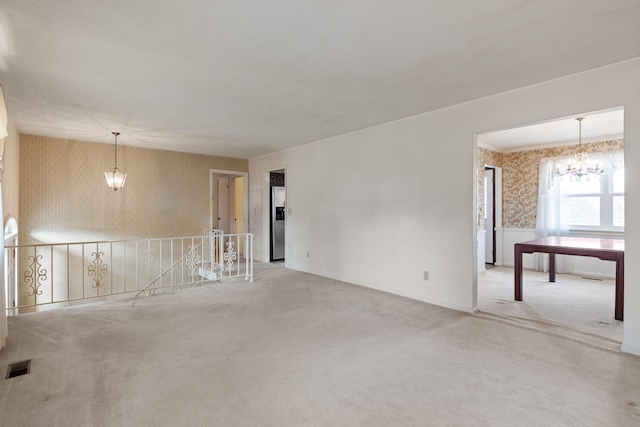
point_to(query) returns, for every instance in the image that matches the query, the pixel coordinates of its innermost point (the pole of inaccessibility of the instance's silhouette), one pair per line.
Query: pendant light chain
(115, 165)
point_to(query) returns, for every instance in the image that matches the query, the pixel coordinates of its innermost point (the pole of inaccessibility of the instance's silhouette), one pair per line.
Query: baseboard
(409, 295)
(630, 349)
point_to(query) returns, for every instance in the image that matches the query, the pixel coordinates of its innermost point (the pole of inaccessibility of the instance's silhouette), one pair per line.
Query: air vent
(18, 368)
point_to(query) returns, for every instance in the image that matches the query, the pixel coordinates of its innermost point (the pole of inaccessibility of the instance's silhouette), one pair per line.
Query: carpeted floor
(293, 349)
(573, 306)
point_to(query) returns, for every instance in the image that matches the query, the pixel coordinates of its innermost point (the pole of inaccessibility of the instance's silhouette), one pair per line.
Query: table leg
(552, 267)
(619, 313)
(517, 268)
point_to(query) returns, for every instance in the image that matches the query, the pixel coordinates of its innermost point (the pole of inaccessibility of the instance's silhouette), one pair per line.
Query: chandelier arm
(580, 167)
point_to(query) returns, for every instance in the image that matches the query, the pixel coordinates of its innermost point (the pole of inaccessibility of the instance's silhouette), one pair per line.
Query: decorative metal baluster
(230, 256)
(192, 260)
(35, 276)
(98, 270)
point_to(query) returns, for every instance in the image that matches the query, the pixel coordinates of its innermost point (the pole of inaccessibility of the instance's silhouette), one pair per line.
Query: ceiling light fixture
(115, 178)
(579, 165)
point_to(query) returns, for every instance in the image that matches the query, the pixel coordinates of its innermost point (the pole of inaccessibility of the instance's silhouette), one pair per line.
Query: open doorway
(274, 214)
(229, 201)
(583, 298)
(277, 215)
(490, 217)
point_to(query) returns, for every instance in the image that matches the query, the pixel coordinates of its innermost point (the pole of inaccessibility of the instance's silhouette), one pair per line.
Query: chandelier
(115, 178)
(580, 165)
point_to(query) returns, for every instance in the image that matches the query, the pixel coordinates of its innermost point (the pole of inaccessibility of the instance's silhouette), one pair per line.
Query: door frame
(245, 193)
(491, 235)
(266, 212)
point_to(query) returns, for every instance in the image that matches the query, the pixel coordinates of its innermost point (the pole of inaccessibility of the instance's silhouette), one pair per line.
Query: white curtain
(550, 220)
(4, 330)
(4, 120)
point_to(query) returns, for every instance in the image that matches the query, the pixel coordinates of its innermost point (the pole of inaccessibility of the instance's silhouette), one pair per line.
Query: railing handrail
(93, 242)
(70, 272)
(161, 275)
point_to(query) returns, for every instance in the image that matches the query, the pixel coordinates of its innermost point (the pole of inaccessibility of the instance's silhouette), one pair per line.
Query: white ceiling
(606, 125)
(245, 78)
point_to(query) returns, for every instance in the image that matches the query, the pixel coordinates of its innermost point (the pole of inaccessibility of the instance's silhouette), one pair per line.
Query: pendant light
(579, 165)
(115, 178)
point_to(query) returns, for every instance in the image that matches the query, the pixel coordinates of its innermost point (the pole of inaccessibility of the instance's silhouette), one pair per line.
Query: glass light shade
(115, 179)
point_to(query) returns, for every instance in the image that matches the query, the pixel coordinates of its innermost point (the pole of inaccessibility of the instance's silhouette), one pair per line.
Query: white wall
(511, 236)
(378, 206)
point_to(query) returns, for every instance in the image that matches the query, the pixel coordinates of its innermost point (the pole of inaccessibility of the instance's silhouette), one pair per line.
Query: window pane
(587, 185)
(617, 178)
(583, 211)
(618, 211)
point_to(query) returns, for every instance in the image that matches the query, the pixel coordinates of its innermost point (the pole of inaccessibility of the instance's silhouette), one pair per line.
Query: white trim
(410, 295)
(563, 144)
(630, 349)
(517, 230)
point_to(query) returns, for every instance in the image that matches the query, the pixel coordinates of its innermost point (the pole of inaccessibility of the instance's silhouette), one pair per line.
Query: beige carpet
(573, 306)
(294, 349)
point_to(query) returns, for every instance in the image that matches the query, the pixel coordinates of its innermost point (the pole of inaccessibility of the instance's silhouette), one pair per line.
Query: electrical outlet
(425, 275)
(307, 254)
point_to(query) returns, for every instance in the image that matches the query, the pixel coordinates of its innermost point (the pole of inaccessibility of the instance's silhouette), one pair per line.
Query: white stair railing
(233, 255)
(55, 275)
(236, 255)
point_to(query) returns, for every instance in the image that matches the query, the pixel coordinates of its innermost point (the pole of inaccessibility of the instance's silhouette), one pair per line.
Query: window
(594, 203)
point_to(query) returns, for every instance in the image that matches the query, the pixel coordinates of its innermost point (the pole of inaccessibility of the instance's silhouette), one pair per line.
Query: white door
(223, 204)
(489, 192)
(238, 210)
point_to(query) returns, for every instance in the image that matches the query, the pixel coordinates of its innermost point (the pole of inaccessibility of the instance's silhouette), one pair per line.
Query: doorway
(222, 218)
(268, 212)
(588, 290)
(490, 215)
(228, 201)
(277, 215)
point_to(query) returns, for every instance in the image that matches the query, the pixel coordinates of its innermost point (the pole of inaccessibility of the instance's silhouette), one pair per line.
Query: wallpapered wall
(64, 196)
(520, 180)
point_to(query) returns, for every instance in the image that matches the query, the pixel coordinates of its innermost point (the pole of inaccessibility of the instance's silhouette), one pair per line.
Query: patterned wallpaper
(520, 180)
(64, 196)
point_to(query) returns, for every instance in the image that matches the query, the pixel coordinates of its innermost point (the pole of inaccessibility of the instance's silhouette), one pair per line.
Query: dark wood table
(605, 249)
